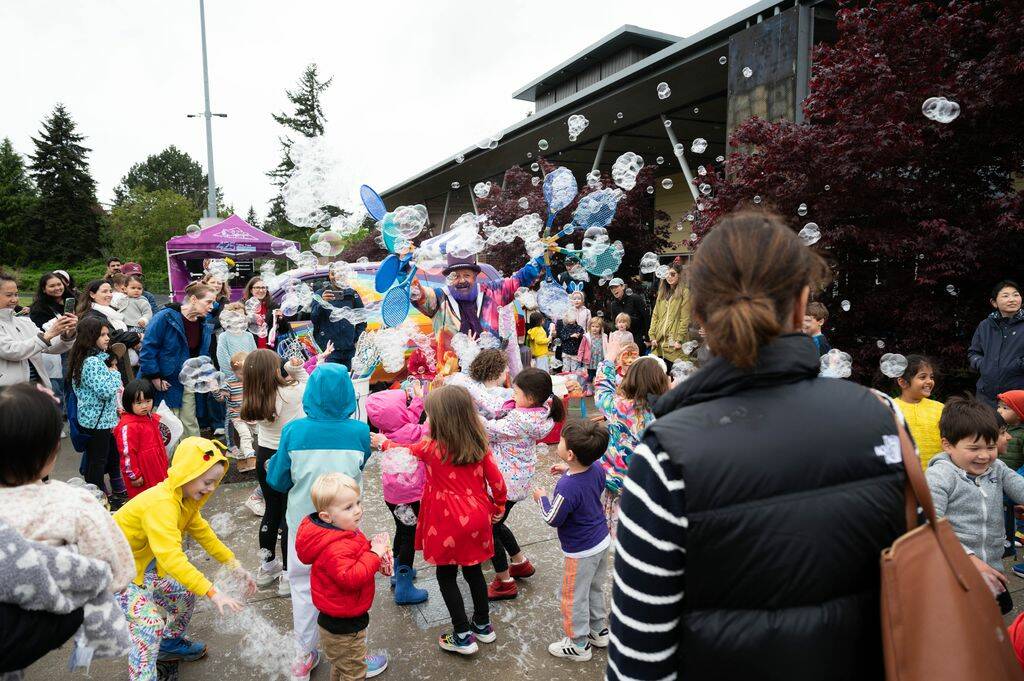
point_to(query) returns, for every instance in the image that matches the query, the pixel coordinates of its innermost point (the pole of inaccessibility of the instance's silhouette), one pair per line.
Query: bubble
(678, 149)
(699, 145)
(689, 217)
(456, 184)
(199, 375)
(523, 202)
(696, 110)
(626, 168)
(542, 145)
(940, 109)
(529, 154)
(535, 181)
(307, 260)
(845, 305)
(836, 364)
(649, 262)
(659, 160)
(281, 247)
(482, 189)
(460, 158)
(827, 187)
(577, 271)
(747, 72)
(650, 189)
(719, 159)
(757, 198)
(682, 369)
(801, 209)
(951, 290)
(689, 346)
(535, 248)
(702, 171)
(810, 234)
(405, 514)
(193, 231)
(722, 60)
(490, 142)
(668, 123)
(667, 183)
(880, 343)
(553, 300)
(527, 298)
(577, 124)
(363, 259)
(466, 349)
(236, 322)
(664, 91)
(661, 271)
(535, 166)
(619, 115)
(329, 245)
(705, 188)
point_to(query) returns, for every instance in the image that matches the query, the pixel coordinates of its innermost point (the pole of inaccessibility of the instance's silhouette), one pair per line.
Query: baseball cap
(614, 282)
(131, 268)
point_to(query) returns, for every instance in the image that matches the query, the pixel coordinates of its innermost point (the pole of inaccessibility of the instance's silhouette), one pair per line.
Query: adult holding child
(671, 317)
(265, 312)
(736, 489)
(997, 348)
(22, 344)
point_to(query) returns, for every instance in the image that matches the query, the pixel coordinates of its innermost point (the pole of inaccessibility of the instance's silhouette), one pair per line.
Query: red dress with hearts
(454, 526)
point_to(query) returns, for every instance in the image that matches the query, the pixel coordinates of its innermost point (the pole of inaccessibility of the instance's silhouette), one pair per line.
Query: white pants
(304, 614)
(542, 363)
(245, 445)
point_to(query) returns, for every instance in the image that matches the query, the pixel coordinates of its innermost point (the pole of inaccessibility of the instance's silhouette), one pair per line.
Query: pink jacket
(513, 442)
(399, 422)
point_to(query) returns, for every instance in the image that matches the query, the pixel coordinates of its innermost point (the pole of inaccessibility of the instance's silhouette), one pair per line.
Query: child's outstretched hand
(250, 583)
(328, 349)
(539, 493)
(377, 440)
(559, 468)
(222, 601)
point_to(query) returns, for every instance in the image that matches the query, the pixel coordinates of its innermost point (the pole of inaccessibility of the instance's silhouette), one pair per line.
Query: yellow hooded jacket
(155, 520)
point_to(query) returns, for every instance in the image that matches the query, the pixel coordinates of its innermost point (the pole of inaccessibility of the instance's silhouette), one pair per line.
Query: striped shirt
(650, 557)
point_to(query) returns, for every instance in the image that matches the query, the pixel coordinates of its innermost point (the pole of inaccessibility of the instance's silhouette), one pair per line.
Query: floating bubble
(490, 142)
(940, 109)
(668, 123)
(535, 167)
(340, 272)
(649, 262)
(236, 322)
(577, 124)
(193, 231)
(689, 346)
(577, 271)
(801, 209)
(535, 181)
(527, 298)
(951, 290)
(664, 91)
(278, 247)
(845, 305)
(619, 115)
(893, 365)
(466, 349)
(696, 109)
(200, 376)
(827, 187)
(723, 59)
(523, 202)
(659, 160)
(719, 159)
(699, 145)
(650, 189)
(757, 198)
(535, 248)
(460, 158)
(482, 189)
(661, 272)
(702, 171)
(542, 145)
(747, 72)
(836, 364)
(553, 300)
(405, 514)
(682, 369)
(456, 184)
(626, 168)
(678, 149)
(880, 343)
(810, 234)
(329, 245)
(667, 183)
(705, 188)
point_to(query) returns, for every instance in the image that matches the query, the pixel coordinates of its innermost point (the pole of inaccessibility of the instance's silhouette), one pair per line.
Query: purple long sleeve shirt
(577, 513)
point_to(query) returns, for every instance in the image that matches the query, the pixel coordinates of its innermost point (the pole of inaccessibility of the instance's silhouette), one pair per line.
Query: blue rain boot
(397, 568)
(174, 649)
(405, 592)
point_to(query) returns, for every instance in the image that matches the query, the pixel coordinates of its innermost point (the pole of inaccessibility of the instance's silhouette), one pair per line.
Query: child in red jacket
(344, 563)
(140, 442)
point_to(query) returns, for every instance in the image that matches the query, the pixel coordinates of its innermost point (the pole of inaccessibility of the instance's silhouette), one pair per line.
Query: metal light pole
(211, 184)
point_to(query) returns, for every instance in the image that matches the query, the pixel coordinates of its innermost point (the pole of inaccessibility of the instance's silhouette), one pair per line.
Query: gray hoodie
(974, 507)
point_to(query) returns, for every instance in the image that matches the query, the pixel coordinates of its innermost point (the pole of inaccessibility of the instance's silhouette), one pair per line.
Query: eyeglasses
(259, 288)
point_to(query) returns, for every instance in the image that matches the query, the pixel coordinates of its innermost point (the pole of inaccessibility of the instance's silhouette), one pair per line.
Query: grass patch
(84, 272)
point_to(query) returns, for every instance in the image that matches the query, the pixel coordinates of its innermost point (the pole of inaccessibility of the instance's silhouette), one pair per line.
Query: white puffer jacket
(20, 343)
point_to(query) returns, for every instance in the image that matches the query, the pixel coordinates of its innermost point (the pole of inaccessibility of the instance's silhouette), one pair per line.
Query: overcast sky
(414, 81)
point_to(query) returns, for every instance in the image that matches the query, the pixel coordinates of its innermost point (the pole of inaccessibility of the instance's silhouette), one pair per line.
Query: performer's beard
(464, 293)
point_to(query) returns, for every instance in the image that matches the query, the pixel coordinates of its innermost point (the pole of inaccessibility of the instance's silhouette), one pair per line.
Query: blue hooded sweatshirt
(325, 441)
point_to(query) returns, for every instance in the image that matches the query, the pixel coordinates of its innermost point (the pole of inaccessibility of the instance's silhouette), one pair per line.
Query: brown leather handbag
(939, 619)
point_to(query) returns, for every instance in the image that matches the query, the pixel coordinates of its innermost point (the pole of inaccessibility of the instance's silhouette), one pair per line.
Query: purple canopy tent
(233, 238)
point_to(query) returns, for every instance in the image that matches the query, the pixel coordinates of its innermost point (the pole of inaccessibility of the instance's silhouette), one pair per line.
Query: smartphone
(69, 306)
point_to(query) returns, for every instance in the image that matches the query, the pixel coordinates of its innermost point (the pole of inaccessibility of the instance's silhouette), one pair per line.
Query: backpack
(79, 438)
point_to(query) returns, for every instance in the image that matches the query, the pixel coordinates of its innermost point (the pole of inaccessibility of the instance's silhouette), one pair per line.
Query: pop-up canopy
(233, 238)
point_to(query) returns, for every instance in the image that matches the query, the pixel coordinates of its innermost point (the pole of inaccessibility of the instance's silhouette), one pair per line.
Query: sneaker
(180, 649)
(1018, 570)
(218, 432)
(463, 645)
(305, 664)
(521, 570)
(268, 572)
(567, 649)
(498, 590)
(117, 500)
(484, 634)
(284, 588)
(376, 664)
(598, 640)
(256, 504)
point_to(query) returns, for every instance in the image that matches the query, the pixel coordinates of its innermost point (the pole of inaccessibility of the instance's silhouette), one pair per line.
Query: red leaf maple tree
(918, 218)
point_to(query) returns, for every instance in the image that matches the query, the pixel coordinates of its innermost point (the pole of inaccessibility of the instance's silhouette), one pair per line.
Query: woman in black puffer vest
(765, 565)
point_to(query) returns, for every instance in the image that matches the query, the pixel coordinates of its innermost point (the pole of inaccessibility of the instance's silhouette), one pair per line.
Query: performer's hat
(461, 264)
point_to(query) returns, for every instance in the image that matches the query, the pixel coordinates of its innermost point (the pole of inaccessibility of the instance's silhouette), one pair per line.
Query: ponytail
(536, 385)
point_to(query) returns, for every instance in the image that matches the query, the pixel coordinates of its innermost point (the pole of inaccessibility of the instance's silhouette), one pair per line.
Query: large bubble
(577, 124)
(553, 300)
(836, 364)
(626, 168)
(893, 365)
(940, 109)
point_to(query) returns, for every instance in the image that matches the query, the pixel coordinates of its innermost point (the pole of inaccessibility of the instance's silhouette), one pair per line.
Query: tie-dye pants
(159, 609)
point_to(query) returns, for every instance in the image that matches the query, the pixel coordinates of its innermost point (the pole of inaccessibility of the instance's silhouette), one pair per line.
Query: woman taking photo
(48, 305)
(671, 317)
(22, 344)
(264, 311)
(766, 491)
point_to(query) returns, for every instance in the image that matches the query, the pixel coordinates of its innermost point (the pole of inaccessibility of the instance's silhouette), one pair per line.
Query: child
(619, 338)
(967, 483)
(325, 439)
(625, 405)
(594, 346)
(54, 512)
(583, 315)
(139, 441)
(534, 411)
(485, 381)
(1011, 408)
(137, 310)
(464, 495)
(158, 603)
(583, 534)
(921, 413)
(272, 401)
(119, 284)
(538, 340)
(343, 563)
(814, 319)
(238, 431)
(96, 382)
(570, 333)
(396, 416)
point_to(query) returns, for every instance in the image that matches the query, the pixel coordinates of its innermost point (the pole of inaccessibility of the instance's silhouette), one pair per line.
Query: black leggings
(276, 505)
(101, 458)
(505, 543)
(474, 576)
(403, 546)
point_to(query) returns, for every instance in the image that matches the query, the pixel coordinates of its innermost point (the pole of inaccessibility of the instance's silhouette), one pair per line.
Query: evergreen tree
(307, 120)
(67, 218)
(17, 204)
(171, 169)
(251, 217)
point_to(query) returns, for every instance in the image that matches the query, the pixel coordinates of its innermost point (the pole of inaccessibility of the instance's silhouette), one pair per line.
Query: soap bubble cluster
(482, 189)
(279, 247)
(391, 345)
(490, 142)
(236, 322)
(314, 183)
(577, 271)
(689, 346)
(577, 124)
(836, 364)
(466, 349)
(405, 515)
(219, 269)
(200, 376)
(366, 355)
(464, 238)
(661, 271)
(101, 496)
(328, 244)
(682, 369)
(407, 221)
(552, 300)
(810, 234)
(341, 272)
(626, 168)
(664, 91)
(398, 461)
(893, 365)
(527, 298)
(649, 262)
(940, 109)
(699, 145)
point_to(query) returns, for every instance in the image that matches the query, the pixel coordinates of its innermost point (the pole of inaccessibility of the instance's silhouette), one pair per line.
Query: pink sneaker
(304, 665)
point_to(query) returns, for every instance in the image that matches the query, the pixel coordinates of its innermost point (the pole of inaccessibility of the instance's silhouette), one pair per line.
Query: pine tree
(251, 217)
(68, 218)
(307, 120)
(18, 201)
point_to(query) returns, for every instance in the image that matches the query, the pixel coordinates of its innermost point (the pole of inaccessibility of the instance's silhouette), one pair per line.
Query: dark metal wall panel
(544, 100)
(565, 90)
(616, 63)
(588, 77)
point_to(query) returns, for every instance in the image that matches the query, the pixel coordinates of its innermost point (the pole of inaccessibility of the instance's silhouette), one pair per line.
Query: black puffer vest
(792, 491)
